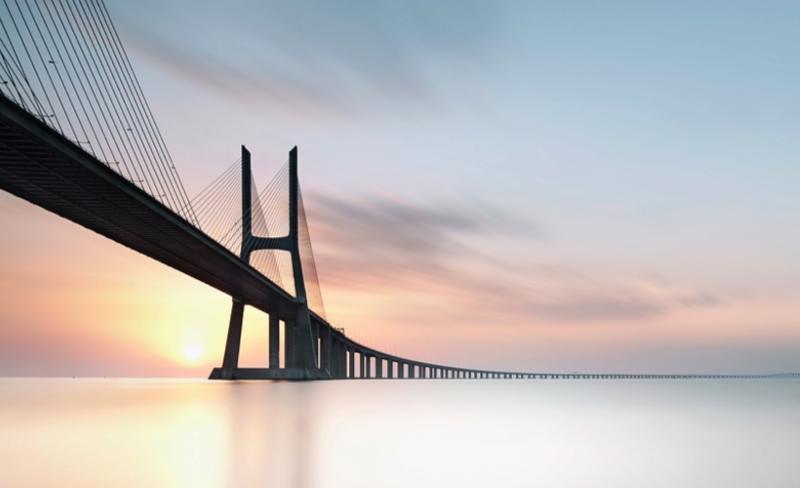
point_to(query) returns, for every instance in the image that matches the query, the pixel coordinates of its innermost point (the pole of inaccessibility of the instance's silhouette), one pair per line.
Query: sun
(193, 352)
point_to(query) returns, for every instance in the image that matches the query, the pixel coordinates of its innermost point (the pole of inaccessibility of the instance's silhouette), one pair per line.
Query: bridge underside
(41, 166)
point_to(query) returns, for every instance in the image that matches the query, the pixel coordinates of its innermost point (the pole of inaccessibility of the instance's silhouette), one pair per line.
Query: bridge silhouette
(78, 138)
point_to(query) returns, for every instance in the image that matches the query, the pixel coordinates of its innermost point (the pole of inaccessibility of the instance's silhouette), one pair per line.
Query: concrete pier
(351, 356)
(274, 341)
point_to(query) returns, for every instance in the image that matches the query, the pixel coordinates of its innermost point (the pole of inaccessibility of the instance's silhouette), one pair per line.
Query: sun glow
(193, 352)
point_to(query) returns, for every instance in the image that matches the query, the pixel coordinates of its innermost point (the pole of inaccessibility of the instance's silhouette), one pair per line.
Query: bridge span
(40, 165)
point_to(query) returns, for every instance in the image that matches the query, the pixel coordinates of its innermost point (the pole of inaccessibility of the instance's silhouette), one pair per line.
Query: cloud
(599, 306)
(378, 245)
(317, 53)
(699, 299)
(424, 232)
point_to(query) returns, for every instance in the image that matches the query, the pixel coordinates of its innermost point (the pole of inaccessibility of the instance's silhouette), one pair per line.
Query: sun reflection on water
(176, 433)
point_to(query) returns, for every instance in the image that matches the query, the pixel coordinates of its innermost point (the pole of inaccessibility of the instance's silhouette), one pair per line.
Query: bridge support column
(274, 341)
(305, 342)
(411, 371)
(334, 361)
(351, 356)
(316, 342)
(379, 367)
(342, 356)
(368, 362)
(325, 349)
(401, 370)
(337, 369)
(230, 360)
(289, 341)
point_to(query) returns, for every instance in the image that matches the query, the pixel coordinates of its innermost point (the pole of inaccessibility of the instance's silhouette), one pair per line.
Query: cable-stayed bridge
(78, 138)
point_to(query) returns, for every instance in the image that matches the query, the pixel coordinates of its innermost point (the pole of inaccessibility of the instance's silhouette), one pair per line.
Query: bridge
(78, 138)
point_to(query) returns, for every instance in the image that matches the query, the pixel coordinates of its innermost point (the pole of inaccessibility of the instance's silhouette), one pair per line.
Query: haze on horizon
(569, 186)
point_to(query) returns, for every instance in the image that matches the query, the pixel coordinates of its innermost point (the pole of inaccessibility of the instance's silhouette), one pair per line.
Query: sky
(542, 186)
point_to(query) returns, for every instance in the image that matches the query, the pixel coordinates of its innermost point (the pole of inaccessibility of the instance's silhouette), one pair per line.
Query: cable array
(270, 219)
(310, 277)
(218, 207)
(63, 62)
(219, 212)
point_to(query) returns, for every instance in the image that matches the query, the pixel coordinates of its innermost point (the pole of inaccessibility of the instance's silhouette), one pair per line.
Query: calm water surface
(504, 433)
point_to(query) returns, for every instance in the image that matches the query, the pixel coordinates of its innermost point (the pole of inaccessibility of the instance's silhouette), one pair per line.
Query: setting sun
(193, 352)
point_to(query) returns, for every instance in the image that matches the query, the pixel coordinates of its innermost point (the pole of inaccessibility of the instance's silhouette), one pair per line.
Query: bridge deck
(41, 166)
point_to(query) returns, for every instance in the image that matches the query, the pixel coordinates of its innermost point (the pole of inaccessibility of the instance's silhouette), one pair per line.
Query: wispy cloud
(380, 245)
(320, 54)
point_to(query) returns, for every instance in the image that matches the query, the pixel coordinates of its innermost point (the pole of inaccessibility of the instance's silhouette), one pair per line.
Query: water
(504, 433)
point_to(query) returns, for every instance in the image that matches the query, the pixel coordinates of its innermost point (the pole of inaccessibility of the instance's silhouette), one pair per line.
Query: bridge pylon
(301, 357)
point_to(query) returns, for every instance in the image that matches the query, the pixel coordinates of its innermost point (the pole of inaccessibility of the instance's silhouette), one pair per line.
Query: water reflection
(270, 433)
(402, 433)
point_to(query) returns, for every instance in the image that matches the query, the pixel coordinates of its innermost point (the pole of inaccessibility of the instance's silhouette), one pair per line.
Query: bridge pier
(335, 367)
(289, 343)
(325, 349)
(341, 357)
(333, 360)
(274, 341)
(230, 360)
(349, 359)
